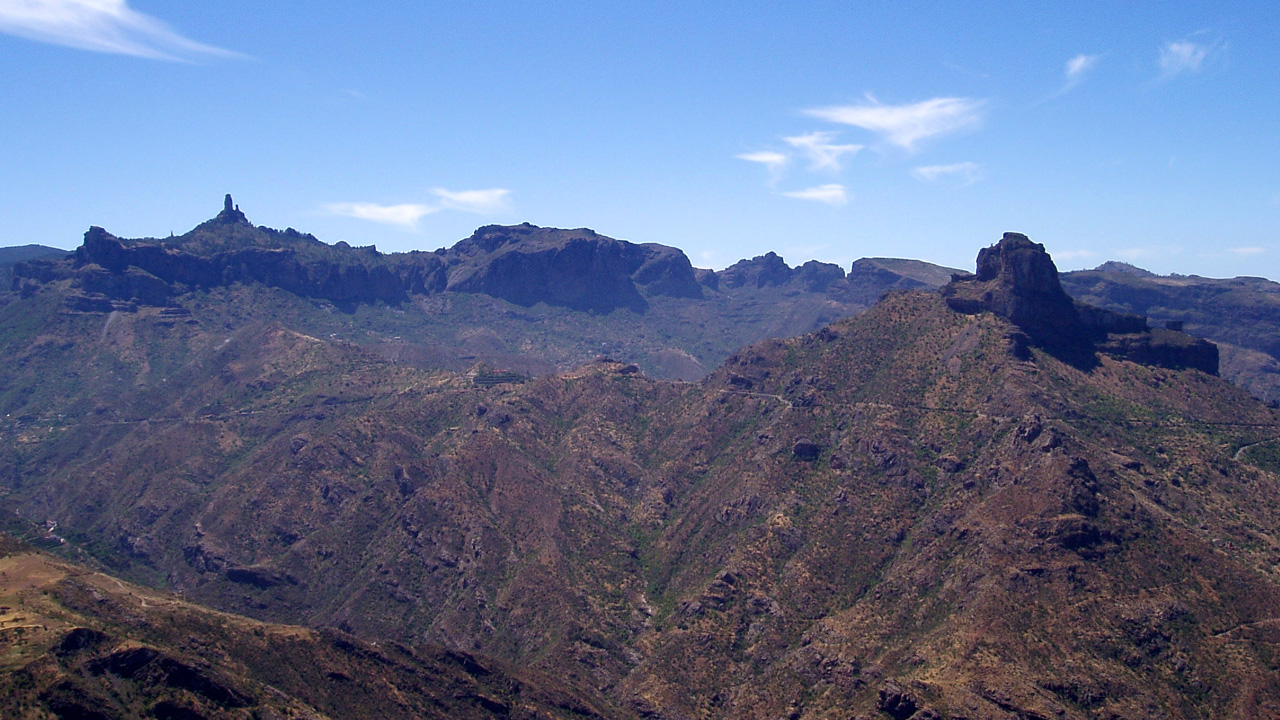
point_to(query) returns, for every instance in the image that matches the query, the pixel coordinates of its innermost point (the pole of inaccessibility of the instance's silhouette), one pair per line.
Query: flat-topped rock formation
(1017, 280)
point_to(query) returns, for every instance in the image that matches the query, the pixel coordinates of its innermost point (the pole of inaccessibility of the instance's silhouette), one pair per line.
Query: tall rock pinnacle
(230, 213)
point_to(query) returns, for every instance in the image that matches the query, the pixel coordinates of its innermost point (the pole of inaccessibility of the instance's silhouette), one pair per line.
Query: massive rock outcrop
(581, 269)
(770, 270)
(1017, 280)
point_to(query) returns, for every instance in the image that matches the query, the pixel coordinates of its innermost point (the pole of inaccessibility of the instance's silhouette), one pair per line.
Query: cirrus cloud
(405, 216)
(1182, 56)
(1077, 68)
(771, 159)
(906, 125)
(474, 201)
(822, 153)
(832, 194)
(108, 26)
(966, 172)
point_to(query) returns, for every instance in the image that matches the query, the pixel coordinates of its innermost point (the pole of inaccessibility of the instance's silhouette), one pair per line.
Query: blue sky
(1144, 132)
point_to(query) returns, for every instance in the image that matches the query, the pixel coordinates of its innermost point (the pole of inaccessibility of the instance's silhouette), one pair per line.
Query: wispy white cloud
(474, 201)
(832, 194)
(1079, 65)
(108, 26)
(773, 160)
(405, 216)
(906, 125)
(1077, 68)
(966, 172)
(1182, 56)
(769, 158)
(822, 153)
(1250, 250)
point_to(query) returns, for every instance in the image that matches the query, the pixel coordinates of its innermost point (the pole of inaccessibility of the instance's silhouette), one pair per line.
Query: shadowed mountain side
(80, 644)
(579, 269)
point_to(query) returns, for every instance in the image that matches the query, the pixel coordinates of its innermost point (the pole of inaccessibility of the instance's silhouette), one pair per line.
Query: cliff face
(770, 270)
(1017, 280)
(580, 269)
(282, 267)
(523, 264)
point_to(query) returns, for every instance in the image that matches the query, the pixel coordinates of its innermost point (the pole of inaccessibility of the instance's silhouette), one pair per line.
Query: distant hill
(10, 256)
(987, 502)
(22, 253)
(1241, 315)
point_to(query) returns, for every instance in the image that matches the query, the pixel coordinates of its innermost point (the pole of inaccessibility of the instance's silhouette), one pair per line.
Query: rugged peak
(230, 214)
(1017, 280)
(1021, 265)
(1112, 266)
(759, 271)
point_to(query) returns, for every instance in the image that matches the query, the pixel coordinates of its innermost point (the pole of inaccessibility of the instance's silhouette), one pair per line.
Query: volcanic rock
(1017, 280)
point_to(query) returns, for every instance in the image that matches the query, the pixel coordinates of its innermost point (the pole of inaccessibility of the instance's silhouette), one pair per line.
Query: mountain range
(913, 493)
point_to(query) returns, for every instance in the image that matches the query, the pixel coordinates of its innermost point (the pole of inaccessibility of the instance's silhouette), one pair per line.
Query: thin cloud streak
(107, 26)
(405, 216)
(1077, 68)
(822, 153)
(771, 159)
(1251, 250)
(965, 172)
(474, 201)
(775, 162)
(906, 125)
(832, 194)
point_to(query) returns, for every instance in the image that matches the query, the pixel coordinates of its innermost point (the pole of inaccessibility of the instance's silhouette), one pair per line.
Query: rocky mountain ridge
(522, 298)
(522, 264)
(908, 513)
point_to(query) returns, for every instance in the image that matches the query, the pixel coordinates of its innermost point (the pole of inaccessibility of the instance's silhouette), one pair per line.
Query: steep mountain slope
(918, 511)
(80, 644)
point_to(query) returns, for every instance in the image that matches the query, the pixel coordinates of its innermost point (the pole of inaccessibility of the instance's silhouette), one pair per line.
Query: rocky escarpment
(523, 264)
(770, 270)
(1017, 280)
(581, 269)
(147, 272)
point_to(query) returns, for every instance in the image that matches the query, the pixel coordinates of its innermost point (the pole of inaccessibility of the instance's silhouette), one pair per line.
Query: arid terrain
(973, 497)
